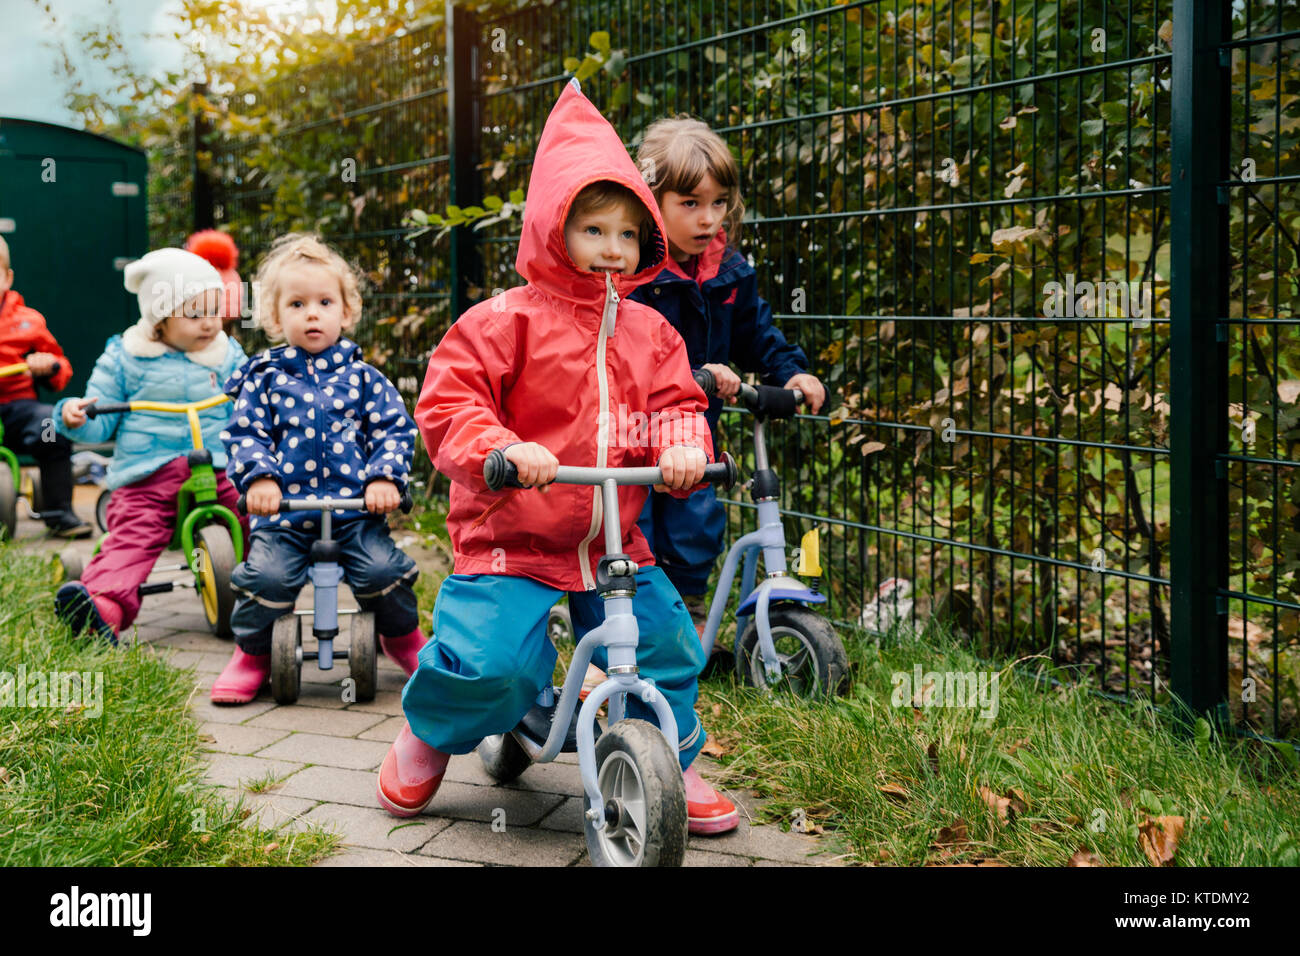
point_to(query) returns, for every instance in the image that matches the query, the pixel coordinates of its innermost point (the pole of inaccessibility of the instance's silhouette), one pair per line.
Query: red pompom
(217, 247)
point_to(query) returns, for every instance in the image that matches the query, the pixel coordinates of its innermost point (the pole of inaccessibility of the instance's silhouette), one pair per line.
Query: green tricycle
(206, 530)
(14, 484)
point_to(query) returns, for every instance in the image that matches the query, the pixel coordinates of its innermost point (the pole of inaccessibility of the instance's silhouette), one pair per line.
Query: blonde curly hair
(292, 249)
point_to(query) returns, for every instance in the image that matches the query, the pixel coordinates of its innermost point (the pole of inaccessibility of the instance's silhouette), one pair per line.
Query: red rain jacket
(23, 331)
(540, 363)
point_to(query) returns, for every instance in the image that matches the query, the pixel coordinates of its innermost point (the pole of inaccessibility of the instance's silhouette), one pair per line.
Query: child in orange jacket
(28, 422)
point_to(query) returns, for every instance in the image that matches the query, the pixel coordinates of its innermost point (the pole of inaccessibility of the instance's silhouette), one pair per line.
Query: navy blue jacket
(722, 318)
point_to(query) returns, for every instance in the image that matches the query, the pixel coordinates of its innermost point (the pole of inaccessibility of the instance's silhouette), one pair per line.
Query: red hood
(578, 147)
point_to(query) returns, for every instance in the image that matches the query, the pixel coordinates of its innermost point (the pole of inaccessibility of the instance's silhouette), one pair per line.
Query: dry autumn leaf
(1158, 837)
(932, 755)
(895, 792)
(270, 848)
(717, 710)
(713, 748)
(1289, 390)
(872, 447)
(1084, 857)
(953, 834)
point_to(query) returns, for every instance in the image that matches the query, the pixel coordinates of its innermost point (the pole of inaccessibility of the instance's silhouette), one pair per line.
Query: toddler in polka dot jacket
(320, 425)
(312, 420)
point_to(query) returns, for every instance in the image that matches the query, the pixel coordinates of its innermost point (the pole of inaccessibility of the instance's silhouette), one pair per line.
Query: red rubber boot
(241, 679)
(410, 775)
(404, 651)
(708, 812)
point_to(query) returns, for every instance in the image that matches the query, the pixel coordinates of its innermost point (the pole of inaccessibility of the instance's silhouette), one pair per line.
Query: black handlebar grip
(407, 503)
(723, 473)
(241, 505)
(499, 471)
(108, 408)
(773, 402)
(706, 381)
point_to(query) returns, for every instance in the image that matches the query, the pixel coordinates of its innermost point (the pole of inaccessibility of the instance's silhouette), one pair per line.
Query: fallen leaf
(714, 749)
(206, 838)
(895, 792)
(953, 834)
(871, 447)
(270, 848)
(1022, 742)
(1008, 123)
(932, 754)
(717, 710)
(1166, 32)
(1084, 857)
(4, 774)
(999, 805)
(1289, 390)
(1158, 837)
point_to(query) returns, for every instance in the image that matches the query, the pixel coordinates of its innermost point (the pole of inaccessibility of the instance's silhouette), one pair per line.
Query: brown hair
(297, 247)
(676, 153)
(601, 195)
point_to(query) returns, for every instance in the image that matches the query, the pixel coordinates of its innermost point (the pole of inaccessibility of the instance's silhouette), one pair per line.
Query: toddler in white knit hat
(176, 352)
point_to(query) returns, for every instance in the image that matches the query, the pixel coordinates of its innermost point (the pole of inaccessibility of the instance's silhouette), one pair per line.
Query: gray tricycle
(287, 654)
(787, 644)
(634, 798)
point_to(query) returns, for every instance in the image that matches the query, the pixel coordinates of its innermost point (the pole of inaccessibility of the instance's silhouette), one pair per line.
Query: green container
(73, 211)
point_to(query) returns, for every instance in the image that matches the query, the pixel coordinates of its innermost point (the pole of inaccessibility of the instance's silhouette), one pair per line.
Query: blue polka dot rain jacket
(322, 425)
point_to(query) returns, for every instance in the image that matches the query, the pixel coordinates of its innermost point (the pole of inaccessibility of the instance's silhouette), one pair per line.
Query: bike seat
(536, 726)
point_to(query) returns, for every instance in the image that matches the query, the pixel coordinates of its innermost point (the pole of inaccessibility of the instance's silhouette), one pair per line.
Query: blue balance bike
(287, 653)
(634, 799)
(781, 642)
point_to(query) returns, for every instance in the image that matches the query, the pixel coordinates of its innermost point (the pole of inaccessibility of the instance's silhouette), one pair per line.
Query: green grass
(118, 789)
(1082, 772)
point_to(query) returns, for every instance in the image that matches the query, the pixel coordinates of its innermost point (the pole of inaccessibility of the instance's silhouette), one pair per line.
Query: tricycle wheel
(813, 661)
(559, 625)
(8, 501)
(216, 565)
(35, 494)
(361, 656)
(101, 509)
(645, 799)
(503, 758)
(73, 563)
(286, 659)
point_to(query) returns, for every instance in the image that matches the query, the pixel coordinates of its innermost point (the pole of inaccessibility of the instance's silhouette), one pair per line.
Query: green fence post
(200, 183)
(1198, 300)
(463, 132)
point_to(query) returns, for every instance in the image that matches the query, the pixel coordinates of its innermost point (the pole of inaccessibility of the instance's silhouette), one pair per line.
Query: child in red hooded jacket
(555, 371)
(28, 422)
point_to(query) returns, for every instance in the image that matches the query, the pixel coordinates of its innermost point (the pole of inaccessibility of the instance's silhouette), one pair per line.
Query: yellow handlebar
(19, 368)
(189, 409)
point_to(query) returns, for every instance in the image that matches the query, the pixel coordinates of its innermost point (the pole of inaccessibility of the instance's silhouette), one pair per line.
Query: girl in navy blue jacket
(312, 420)
(708, 292)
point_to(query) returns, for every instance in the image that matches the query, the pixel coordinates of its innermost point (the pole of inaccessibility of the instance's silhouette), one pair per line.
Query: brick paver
(326, 751)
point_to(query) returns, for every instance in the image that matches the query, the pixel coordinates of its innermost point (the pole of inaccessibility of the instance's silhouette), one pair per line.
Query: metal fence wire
(1044, 256)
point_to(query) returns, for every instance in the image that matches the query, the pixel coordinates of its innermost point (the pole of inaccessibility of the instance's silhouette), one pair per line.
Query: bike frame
(619, 633)
(778, 585)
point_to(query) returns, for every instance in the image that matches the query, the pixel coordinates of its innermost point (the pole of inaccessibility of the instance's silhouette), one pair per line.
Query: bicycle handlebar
(499, 472)
(765, 400)
(325, 504)
(22, 368)
(176, 408)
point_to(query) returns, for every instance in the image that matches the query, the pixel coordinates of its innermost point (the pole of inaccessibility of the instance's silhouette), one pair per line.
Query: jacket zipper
(607, 318)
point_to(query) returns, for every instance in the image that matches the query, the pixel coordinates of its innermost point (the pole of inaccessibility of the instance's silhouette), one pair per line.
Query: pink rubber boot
(410, 775)
(404, 651)
(707, 812)
(110, 612)
(242, 678)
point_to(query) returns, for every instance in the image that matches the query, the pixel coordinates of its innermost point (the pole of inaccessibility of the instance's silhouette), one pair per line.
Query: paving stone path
(324, 754)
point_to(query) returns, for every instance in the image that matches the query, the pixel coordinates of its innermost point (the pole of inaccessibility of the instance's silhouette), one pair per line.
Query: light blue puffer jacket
(133, 368)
